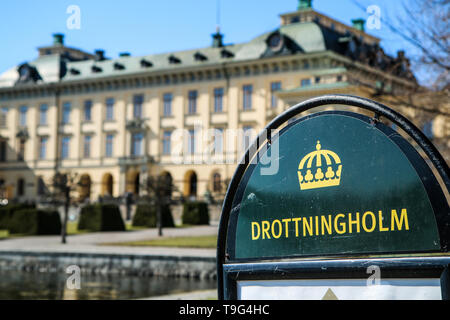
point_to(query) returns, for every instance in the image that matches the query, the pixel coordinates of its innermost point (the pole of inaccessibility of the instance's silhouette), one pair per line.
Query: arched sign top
(359, 192)
(344, 184)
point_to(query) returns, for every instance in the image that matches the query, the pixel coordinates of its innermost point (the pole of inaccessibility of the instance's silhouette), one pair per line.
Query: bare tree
(63, 184)
(424, 24)
(159, 191)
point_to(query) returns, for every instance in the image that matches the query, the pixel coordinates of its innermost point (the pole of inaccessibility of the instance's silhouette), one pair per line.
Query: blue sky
(155, 26)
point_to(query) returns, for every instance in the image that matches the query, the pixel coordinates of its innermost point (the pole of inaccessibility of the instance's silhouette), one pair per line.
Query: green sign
(344, 185)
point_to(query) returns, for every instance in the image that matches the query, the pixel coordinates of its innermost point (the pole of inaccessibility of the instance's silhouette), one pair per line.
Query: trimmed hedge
(101, 217)
(195, 213)
(35, 222)
(7, 212)
(146, 216)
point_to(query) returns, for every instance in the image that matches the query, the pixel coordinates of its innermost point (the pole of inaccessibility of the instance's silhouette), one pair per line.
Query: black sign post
(336, 205)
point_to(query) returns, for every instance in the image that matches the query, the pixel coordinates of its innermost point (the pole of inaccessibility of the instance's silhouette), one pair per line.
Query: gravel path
(90, 242)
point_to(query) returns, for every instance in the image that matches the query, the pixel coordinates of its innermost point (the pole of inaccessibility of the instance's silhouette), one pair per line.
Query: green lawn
(4, 234)
(205, 242)
(72, 228)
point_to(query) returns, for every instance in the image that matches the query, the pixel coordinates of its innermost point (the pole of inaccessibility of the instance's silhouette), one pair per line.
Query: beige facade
(128, 101)
(121, 165)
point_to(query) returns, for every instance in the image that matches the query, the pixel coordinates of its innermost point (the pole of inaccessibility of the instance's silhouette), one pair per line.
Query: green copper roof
(304, 4)
(308, 37)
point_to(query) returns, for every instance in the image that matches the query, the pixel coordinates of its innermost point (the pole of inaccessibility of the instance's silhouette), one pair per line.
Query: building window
(21, 152)
(166, 142)
(43, 114)
(4, 117)
(87, 146)
(43, 147)
(20, 187)
(109, 145)
(191, 142)
(23, 116)
(218, 140)
(88, 110)
(218, 100)
(65, 142)
(67, 108)
(247, 97)
(109, 109)
(428, 129)
(217, 182)
(41, 188)
(305, 82)
(3, 150)
(136, 144)
(192, 102)
(247, 136)
(317, 79)
(274, 88)
(138, 100)
(339, 78)
(167, 104)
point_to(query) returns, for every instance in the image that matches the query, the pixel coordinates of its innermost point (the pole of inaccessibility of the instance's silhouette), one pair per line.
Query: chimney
(304, 4)
(358, 24)
(217, 39)
(58, 39)
(99, 55)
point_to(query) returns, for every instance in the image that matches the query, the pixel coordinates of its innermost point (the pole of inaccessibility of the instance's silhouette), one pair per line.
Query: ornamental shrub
(35, 222)
(195, 213)
(101, 217)
(7, 211)
(146, 216)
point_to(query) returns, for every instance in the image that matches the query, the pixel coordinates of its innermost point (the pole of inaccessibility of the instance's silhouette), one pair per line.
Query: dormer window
(174, 60)
(74, 71)
(226, 54)
(24, 71)
(27, 74)
(146, 63)
(100, 55)
(96, 69)
(295, 19)
(200, 57)
(118, 66)
(275, 42)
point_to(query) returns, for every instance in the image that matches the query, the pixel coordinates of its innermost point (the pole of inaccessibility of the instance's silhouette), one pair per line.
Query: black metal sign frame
(226, 271)
(390, 268)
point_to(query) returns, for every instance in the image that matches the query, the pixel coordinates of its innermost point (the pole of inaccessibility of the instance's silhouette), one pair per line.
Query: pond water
(52, 286)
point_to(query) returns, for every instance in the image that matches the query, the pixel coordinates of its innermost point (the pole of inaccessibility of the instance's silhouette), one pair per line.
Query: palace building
(111, 120)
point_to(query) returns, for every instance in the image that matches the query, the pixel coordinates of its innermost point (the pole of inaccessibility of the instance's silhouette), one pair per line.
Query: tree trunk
(159, 218)
(66, 214)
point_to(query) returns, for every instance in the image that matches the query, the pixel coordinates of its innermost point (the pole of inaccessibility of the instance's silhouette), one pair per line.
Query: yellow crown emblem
(317, 174)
